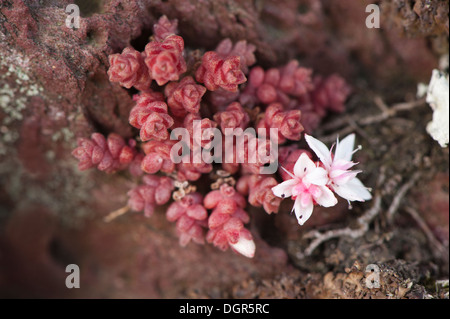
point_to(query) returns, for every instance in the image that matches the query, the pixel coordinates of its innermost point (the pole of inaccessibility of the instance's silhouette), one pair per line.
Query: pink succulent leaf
(165, 59)
(164, 28)
(245, 52)
(185, 96)
(233, 117)
(175, 211)
(197, 212)
(190, 217)
(157, 157)
(129, 69)
(244, 246)
(227, 230)
(259, 191)
(330, 93)
(216, 72)
(287, 122)
(217, 219)
(109, 154)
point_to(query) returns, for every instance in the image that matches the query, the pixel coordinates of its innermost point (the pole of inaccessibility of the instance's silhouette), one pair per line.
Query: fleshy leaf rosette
(233, 117)
(287, 123)
(184, 97)
(282, 85)
(216, 72)
(165, 59)
(109, 155)
(129, 69)
(226, 222)
(258, 188)
(330, 93)
(155, 191)
(294, 79)
(191, 218)
(192, 170)
(164, 28)
(204, 95)
(150, 115)
(247, 152)
(201, 130)
(242, 49)
(157, 157)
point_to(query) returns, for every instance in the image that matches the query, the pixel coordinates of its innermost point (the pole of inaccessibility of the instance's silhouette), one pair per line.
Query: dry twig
(437, 248)
(113, 215)
(365, 219)
(355, 123)
(400, 195)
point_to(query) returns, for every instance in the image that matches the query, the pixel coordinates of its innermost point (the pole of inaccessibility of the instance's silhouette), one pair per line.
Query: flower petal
(340, 177)
(303, 213)
(284, 189)
(344, 149)
(327, 198)
(321, 150)
(303, 165)
(305, 199)
(343, 164)
(317, 176)
(353, 190)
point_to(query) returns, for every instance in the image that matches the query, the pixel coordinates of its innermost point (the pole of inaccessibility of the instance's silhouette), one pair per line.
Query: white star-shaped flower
(342, 180)
(307, 187)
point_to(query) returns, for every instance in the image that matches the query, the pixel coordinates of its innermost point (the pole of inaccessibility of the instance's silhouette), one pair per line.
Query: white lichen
(15, 93)
(437, 96)
(64, 134)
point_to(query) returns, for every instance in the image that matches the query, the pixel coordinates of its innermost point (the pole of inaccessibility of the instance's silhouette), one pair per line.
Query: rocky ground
(54, 88)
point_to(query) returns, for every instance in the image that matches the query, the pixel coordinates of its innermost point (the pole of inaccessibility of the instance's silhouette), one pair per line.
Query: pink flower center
(306, 192)
(340, 173)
